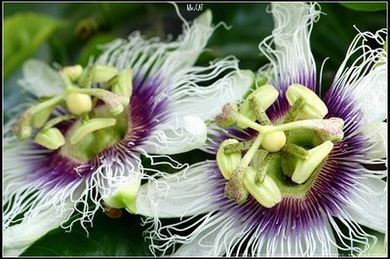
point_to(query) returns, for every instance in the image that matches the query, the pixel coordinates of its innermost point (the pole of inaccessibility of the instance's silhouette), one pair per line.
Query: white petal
(362, 76)
(368, 205)
(152, 57)
(292, 60)
(19, 237)
(207, 102)
(41, 80)
(315, 241)
(203, 244)
(193, 40)
(177, 135)
(188, 192)
(376, 132)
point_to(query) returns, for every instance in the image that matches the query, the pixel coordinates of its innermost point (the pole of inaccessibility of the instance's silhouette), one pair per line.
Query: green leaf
(366, 7)
(24, 33)
(92, 50)
(107, 237)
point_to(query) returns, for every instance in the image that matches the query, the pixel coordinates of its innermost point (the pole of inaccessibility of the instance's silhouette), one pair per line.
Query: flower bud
(50, 138)
(78, 103)
(101, 74)
(313, 106)
(305, 167)
(125, 196)
(73, 72)
(274, 141)
(227, 163)
(266, 193)
(266, 94)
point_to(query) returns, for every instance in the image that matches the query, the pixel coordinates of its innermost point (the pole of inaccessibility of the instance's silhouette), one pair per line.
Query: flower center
(99, 116)
(285, 158)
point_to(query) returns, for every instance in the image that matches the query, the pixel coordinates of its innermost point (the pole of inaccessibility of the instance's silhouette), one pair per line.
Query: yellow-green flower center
(284, 159)
(96, 125)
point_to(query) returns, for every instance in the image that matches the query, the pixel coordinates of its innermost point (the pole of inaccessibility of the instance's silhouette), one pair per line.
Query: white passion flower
(302, 186)
(78, 147)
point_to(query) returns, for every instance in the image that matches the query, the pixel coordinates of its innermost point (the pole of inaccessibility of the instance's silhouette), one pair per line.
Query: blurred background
(70, 33)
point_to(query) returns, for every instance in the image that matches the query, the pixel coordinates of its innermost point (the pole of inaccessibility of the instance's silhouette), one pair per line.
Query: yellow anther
(73, 72)
(51, 138)
(266, 95)
(313, 106)
(227, 163)
(305, 167)
(266, 193)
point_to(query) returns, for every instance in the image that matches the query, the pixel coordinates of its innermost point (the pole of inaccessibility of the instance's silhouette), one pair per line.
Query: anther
(227, 163)
(265, 95)
(266, 192)
(50, 138)
(313, 108)
(305, 167)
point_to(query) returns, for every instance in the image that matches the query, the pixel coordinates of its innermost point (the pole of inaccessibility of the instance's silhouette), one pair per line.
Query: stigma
(281, 154)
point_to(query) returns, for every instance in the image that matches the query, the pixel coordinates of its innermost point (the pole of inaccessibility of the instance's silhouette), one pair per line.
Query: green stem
(57, 120)
(89, 127)
(251, 152)
(249, 123)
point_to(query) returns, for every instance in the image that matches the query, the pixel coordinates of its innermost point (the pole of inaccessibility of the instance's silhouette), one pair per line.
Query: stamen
(51, 123)
(234, 189)
(313, 108)
(330, 129)
(101, 74)
(296, 150)
(229, 116)
(22, 128)
(50, 138)
(88, 127)
(73, 72)
(261, 163)
(265, 96)
(295, 110)
(122, 84)
(266, 193)
(40, 118)
(305, 167)
(227, 163)
(237, 147)
(259, 112)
